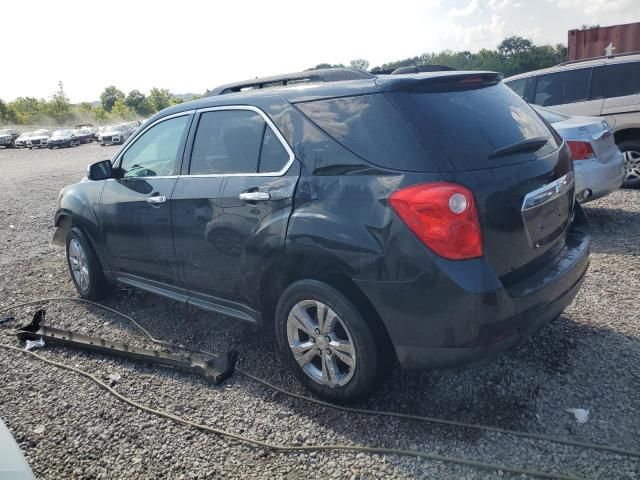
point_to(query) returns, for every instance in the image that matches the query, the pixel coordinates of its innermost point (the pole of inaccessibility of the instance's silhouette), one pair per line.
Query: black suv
(427, 219)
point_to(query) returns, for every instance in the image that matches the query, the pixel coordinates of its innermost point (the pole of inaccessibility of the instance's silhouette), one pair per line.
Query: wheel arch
(307, 266)
(626, 134)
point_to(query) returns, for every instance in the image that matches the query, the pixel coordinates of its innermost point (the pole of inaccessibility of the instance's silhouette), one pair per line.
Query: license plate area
(546, 211)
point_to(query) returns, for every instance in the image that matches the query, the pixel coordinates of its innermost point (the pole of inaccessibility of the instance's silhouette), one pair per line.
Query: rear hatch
(482, 135)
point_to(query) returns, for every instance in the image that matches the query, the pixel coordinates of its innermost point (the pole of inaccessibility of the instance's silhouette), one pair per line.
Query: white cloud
(472, 7)
(599, 7)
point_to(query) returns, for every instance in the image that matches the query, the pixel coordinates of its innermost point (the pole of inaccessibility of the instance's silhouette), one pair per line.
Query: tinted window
(622, 79)
(517, 86)
(370, 127)
(597, 83)
(562, 87)
(463, 128)
(227, 141)
(155, 152)
(273, 155)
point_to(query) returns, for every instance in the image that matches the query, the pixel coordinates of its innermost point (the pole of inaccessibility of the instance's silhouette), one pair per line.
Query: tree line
(512, 56)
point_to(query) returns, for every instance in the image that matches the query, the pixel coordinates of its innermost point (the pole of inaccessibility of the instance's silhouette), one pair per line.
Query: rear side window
(517, 86)
(464, 128)
(370, 127)
(562, 87)
(273, 155)
(622, 79)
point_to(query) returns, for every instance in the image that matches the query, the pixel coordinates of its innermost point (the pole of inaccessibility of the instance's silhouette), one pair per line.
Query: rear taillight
(580, 150)
(443, 216)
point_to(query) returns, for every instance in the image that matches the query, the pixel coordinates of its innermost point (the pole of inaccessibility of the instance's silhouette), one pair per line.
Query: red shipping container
(593, 42)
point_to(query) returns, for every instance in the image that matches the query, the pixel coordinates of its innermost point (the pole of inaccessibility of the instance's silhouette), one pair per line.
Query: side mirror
(100, 170)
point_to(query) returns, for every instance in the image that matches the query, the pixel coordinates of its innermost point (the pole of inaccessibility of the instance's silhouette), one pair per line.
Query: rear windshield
(456, 130)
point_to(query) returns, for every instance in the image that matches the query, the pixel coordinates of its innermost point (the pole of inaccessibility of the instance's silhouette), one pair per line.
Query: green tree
(137, 101)
(359, 64)
(515, 45)
(100, 113)
(109, 97)
(159, 99)
(7, 114)
(28, 109)
(321, 66)
(59, 107)
(122, 111)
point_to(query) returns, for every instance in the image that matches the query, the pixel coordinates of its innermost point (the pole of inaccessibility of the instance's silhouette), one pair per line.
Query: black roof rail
(414, 69)
(321, 75)
(601, 57)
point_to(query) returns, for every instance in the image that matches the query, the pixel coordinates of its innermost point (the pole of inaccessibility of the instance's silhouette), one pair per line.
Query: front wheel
(631, 151)
(85, 269)
(326, 342)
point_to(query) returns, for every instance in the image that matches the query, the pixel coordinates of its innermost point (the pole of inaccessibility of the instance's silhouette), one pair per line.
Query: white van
(606, 87)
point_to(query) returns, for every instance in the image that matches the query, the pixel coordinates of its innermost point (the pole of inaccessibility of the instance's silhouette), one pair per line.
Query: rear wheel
(631, 151)
(326, 342)
(84, 267)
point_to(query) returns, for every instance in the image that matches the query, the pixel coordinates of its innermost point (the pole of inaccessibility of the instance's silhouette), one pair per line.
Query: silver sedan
(597, 161)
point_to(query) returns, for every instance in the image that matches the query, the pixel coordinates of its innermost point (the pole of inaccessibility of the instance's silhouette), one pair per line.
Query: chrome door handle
(255, 196)
(157, 200)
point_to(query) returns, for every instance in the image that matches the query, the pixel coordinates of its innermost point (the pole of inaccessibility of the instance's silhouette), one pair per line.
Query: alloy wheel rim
(321, 343)
(632, 166)
(79, 265)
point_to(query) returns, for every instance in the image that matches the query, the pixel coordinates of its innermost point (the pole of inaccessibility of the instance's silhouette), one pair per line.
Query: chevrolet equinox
(425, 219)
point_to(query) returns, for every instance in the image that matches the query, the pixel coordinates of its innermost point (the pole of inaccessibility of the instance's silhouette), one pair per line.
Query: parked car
(605, 87)
(114, 135)
(39, 139)
(21, 141)
(84, 134)
(597, 161)
(427, 219)
(8, 137)
(63, 138)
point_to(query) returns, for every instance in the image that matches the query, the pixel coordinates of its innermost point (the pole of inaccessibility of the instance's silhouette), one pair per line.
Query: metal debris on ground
(31, 344)
(7, 319)
(581, 414)
(215, 369)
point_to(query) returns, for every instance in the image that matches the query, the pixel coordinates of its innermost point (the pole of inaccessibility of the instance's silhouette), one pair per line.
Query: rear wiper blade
(529, 145)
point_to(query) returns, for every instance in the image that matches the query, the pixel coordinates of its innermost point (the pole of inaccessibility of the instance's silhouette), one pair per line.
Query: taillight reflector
(580, 150)
(443, 216)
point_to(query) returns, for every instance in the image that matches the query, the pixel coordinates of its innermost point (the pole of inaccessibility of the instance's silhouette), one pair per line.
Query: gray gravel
(69, 428)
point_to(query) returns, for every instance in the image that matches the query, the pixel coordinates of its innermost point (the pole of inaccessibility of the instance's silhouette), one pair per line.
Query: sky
(188, 46)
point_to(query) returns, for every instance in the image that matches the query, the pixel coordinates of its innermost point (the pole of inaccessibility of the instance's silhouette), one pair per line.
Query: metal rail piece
(215, 369)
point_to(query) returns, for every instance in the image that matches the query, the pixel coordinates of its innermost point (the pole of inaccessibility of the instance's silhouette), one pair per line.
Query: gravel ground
(69, 428)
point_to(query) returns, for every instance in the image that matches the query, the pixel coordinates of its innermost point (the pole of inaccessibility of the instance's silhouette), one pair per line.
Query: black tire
(366, 374)
(630, 146)
(98, 286)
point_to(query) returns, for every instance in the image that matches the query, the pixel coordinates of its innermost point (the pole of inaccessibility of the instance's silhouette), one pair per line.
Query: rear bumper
(600, 178)
(458, 313)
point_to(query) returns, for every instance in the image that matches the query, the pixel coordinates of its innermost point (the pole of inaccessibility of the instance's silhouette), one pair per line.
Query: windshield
(5, 132)
(61, 133)
(113, 129)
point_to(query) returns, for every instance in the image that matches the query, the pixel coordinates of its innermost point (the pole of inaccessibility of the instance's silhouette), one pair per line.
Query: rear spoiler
(438, 82)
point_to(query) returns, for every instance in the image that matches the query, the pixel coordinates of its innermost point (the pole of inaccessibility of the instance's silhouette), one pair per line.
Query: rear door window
(236, 141)
(563, 87)
(622, 79)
